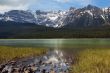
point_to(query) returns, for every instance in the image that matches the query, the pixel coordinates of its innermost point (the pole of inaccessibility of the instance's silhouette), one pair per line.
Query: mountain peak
(87, 16)
(89, 7)
(72, 8)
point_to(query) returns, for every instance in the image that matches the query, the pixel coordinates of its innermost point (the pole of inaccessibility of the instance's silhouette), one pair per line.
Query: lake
(57, 43)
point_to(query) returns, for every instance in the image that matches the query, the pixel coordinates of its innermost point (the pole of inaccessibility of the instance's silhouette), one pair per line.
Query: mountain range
(81, 17)
(87, 22)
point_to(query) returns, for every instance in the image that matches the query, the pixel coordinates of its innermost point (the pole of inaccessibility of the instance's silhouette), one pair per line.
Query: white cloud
(6, 5)
(8, 8)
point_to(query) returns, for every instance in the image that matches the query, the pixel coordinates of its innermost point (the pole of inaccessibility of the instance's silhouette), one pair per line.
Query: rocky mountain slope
(88, 16)
(81, 17)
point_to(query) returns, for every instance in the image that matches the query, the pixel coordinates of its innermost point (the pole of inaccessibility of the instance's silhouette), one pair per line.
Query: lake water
(57, 43)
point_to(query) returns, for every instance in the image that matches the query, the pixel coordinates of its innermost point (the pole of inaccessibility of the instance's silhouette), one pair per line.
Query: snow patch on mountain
(103, 17)
(50, 19)
(88, 11)
(89, 15)
(8, 19)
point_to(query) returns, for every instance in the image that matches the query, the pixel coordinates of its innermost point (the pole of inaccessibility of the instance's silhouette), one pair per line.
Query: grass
(85, 60)
(91, 61)
(10, 53)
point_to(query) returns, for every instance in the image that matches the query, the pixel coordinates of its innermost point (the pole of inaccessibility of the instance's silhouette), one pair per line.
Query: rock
(39, 67)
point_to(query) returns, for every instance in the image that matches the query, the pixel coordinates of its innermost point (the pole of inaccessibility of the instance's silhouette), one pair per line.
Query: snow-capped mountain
(51, 18)
(88, 16)
(82, 17)
(18, 16)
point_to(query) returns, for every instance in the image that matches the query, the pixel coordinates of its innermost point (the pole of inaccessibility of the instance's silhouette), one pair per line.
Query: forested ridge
(31, 31)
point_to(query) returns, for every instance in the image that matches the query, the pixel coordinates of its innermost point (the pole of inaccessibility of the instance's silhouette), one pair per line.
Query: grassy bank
(91, 61)
(9, 53)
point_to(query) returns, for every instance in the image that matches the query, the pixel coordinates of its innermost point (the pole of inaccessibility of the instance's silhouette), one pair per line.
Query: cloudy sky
(6, 5)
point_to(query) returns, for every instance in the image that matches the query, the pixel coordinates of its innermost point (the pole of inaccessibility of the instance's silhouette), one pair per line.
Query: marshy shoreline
(83, 60)
(8, 53)
(52, 61)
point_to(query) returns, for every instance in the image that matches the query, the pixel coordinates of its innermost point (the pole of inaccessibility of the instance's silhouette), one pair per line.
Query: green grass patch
(92, 61)
(10, 53)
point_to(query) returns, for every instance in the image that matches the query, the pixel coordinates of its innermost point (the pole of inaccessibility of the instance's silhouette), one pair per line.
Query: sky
(7, 5)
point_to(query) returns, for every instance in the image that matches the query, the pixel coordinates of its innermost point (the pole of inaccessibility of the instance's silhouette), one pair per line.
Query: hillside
(30, 30)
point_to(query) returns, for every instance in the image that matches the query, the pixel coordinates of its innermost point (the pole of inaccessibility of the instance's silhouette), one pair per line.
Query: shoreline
(8, 53)
(53, 60)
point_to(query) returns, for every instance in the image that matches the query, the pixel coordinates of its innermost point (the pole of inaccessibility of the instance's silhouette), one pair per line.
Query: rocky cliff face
(82, 17)
(88, 16)
(18, 16)
(50, 18)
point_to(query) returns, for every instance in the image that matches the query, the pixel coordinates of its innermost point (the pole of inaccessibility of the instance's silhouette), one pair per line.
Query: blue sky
(6, 5)
(66, 4)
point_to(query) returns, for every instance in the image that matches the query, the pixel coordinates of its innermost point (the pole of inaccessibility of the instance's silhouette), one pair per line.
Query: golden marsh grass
(9, 53)
(92, 61)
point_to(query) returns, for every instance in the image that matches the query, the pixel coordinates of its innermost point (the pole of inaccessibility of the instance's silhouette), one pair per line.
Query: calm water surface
(57, 43)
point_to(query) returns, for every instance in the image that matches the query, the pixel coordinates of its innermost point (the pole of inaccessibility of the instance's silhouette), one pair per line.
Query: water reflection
(52, 43)
(57, 43)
